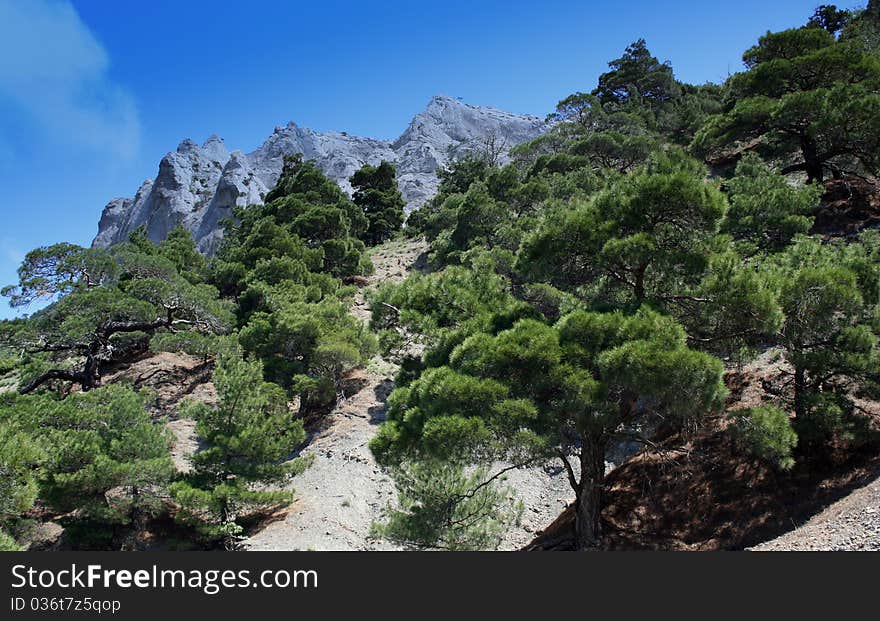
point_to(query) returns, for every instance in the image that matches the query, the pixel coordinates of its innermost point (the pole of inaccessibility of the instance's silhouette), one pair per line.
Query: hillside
(344, 490)
(852, 523)
(654, 323)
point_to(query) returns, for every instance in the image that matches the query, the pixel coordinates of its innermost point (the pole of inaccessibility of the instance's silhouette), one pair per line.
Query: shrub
(440, 505)
(766, 432)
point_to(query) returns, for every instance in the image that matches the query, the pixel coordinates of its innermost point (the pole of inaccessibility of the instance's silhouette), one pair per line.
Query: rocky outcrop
(200, 185)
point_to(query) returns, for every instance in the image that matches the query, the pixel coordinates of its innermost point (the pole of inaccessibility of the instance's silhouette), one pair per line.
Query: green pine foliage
(107, 304)
(587, 286)
(766, 433)
(766, 212)
(806, 98)
(829, 341)
(8, 543)
(95, 456)
(247, 440)
(443, 507)
(308, 347)
(377, 194)
(538, 390)
(307, 224)
(592, 289)
(646, 237)
(20, 456)
(283, 263)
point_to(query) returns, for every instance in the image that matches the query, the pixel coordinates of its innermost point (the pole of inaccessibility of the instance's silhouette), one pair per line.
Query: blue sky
(93, 93)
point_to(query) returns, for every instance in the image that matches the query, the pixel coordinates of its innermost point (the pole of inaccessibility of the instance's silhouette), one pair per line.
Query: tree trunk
(68, 376)
(811, 161)
(137, 522)
(98, 350)
(800, 389)
(639, 285)
(91, 376)
(589, 494)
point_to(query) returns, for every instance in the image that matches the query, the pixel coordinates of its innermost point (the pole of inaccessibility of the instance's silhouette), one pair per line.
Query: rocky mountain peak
(200, 185)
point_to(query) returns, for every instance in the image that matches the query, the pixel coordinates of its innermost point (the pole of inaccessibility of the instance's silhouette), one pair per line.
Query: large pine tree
(376, 192)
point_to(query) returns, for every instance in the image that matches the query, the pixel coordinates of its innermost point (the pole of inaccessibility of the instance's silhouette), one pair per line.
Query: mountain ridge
(199, 185)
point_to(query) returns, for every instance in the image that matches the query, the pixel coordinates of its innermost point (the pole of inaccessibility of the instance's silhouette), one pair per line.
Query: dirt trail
(344, 491)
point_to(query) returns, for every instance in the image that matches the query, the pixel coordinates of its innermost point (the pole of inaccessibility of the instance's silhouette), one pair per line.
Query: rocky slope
(199, 185)
(343, 491)
(852, 523)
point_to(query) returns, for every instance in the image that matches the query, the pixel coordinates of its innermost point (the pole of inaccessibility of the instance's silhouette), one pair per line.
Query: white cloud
(54, 69)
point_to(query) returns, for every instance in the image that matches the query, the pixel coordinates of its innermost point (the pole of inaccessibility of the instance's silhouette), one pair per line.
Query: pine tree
(637, 75)
(98, 457)
(20, 457)
(247, 439)
(377, 194)
(807, 98)
(442, 505)
(828, 340)
(105, 306)
(566, 390)
(647, 237)
(766, 211)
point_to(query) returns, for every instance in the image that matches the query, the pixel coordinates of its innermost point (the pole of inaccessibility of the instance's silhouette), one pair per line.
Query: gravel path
(344, 491)
(851, 523)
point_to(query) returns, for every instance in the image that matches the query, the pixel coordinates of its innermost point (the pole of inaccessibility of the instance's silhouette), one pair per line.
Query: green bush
(246, 438)
(7, 543)
(766, 432)
(442, 506)
(7, 364)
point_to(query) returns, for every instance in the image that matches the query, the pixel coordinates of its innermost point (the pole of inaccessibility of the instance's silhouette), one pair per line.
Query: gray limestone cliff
(199, 185)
